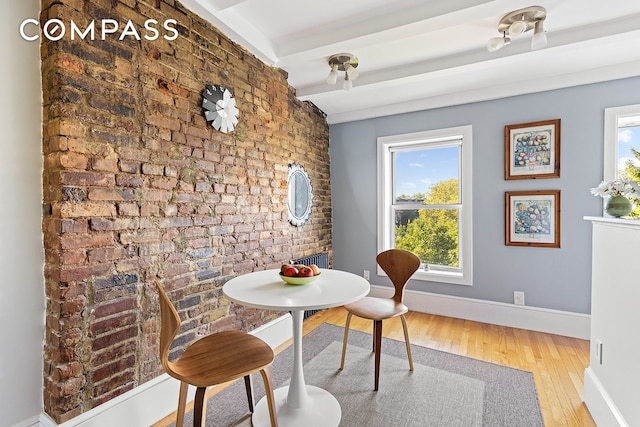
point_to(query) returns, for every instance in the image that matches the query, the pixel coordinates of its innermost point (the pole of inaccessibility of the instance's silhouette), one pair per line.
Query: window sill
(442, 277)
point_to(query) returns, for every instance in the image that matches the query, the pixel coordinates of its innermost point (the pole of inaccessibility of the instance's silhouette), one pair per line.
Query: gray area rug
(444, 390)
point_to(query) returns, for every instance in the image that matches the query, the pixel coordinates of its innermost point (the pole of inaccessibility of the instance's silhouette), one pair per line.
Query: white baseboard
(557, 322)
(155, 399)
(601, 407)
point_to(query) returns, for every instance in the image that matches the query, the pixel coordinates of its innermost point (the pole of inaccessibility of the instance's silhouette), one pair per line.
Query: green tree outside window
(432, 233)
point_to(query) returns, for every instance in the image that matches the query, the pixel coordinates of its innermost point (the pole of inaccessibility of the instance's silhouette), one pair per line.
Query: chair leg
(344, 342)
(200, 408)
(373, 331)
(248, 385)
(378, 348)
(182, 403)
(271, 400)
(406, 341)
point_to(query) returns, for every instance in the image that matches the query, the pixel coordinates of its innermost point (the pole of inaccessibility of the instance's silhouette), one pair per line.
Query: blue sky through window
(417, 170)
(628, 137)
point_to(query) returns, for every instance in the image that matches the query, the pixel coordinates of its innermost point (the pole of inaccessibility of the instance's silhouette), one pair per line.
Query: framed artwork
(532, 150)
(532, 218)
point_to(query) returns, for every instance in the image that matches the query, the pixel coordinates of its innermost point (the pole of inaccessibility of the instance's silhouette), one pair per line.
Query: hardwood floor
(557, 362)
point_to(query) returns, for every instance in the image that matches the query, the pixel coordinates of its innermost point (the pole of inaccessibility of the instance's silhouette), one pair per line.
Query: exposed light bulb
(347, 85)
(498, 43)
(333, 75)
(539, 39)
(517, 28)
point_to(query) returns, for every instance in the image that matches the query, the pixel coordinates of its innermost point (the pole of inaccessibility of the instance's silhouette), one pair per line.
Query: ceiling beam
(380, 26)
(627, 25)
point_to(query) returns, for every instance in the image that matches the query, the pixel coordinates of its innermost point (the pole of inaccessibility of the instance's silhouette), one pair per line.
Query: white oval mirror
(300, 195)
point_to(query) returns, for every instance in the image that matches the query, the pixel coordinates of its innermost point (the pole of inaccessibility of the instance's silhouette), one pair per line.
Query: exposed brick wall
(138, 187)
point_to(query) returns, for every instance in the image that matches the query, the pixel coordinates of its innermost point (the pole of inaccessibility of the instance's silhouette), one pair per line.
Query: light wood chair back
(214, 359)
(170, 326)
(399, 264)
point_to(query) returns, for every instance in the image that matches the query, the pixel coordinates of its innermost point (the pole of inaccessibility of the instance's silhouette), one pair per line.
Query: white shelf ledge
(623, 222)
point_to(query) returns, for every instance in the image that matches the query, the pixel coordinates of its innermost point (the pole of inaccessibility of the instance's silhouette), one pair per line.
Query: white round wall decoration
(220, 108)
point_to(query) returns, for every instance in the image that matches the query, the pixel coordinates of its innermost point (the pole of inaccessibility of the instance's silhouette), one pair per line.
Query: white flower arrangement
(618, 187)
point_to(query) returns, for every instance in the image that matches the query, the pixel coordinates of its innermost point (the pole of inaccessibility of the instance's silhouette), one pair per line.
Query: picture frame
(532, 218)
(532, 150)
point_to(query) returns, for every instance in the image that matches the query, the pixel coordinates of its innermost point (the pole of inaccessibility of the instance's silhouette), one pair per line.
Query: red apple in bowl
(290, 272)
(283, 267)
(305, 272)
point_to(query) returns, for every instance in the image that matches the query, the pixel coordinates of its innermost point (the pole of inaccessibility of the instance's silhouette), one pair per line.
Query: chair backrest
(399, 264)
(170, 325)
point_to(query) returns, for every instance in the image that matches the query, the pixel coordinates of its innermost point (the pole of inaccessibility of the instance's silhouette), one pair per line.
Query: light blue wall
(551, 278)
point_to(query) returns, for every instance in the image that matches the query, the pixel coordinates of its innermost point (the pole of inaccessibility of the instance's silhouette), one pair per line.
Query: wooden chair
(215, 359)
(399, 264)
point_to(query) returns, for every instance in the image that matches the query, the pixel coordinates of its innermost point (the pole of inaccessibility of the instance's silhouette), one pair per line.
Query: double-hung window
(424, 201)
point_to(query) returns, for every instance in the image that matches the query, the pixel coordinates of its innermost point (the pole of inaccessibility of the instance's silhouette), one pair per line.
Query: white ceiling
(421, 54)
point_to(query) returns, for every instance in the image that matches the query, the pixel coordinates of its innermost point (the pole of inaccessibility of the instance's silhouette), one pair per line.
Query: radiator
(322, 261)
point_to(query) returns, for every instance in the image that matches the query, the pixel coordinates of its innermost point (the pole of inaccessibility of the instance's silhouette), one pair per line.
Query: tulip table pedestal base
(299, 405)
(320, 410)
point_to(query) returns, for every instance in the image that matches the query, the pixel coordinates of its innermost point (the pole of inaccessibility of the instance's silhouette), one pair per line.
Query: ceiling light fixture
(343, 62)
(519, 22)
(498, 42)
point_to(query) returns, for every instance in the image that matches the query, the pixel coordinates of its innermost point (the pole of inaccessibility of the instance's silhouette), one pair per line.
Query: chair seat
(377, 308)
(195, 365)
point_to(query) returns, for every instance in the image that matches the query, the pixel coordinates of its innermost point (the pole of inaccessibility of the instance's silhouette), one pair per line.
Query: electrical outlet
(518, 298)
(599, 351)
(365, 274)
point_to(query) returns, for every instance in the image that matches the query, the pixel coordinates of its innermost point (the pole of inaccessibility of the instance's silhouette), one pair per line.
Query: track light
(498, 42)
(539, 40)
(517, 28)
(333, 75)
(347, 85)
(519, 22)
(343, 62)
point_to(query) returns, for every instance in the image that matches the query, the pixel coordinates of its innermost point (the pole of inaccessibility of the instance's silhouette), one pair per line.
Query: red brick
(118, 366)
(73, 161)
(128, 209)
(105, 165)
(100, 327)
(74, 225)
(87, 178)
(77, 256)
(152, 169)
(127, 180)
(74, 241)
(84, 209)
(114, 352)
(115, 194)
(113, 338)
(105, 254)
(85, 272)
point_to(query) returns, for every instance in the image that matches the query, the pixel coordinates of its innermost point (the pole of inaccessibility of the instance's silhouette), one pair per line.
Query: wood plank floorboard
(557, 362)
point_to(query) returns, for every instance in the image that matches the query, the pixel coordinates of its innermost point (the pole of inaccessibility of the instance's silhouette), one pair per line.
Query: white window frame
(386, 222)
(611, 116)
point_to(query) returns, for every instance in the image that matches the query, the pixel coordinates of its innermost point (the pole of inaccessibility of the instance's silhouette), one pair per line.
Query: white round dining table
(297, 404)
